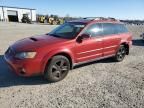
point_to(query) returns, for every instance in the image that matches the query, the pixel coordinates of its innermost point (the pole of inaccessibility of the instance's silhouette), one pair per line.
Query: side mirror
(82, 37)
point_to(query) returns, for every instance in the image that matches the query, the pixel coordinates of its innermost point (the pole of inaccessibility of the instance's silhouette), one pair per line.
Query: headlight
(25, 55)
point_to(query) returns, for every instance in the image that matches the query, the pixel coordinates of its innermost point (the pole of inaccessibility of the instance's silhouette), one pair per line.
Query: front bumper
(24, 67)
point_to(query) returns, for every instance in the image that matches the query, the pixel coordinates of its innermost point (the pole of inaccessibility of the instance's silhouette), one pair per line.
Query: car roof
(80, 21)
(97, 20)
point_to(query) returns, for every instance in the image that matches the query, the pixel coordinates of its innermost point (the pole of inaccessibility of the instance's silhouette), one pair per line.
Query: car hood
(32, 43)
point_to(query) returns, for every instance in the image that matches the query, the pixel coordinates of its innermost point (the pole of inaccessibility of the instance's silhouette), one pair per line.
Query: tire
(121, 53)
(57, 69)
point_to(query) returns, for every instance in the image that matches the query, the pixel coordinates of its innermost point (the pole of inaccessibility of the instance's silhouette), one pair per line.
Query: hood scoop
(33, 39)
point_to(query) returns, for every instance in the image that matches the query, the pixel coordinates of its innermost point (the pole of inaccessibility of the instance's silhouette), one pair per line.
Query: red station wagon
(75, 42)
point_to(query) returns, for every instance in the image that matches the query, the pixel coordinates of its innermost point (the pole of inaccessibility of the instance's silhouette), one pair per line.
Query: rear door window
(108, 29)
(111, 28)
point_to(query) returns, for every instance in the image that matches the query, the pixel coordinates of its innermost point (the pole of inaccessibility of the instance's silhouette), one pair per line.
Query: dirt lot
(102, 84)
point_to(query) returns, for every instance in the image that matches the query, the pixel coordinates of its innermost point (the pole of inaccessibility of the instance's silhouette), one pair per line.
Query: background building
(15, 14)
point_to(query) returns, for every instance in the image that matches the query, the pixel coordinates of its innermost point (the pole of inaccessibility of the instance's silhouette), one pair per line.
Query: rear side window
(120, 28)
(94, 30)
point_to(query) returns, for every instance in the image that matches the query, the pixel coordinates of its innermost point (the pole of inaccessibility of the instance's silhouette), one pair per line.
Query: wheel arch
(126, 45)
(62, 54)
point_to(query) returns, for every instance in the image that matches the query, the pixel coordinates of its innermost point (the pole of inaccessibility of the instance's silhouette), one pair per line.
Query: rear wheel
(57, 69)
(120, 55)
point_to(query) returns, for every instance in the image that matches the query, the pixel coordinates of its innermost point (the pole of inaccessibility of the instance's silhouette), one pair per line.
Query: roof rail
(94, 18)
(100, 18)
(113, 19)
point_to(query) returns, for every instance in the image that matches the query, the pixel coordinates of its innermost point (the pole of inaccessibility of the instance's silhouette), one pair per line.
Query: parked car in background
(75, 42)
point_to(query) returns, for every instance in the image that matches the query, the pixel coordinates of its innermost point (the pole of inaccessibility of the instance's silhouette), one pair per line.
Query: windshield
(67, 30)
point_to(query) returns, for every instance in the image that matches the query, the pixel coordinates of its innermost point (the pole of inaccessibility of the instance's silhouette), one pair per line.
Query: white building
(15, 14)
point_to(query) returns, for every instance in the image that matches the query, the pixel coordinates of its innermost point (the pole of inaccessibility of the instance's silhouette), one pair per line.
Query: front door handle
(98, 40)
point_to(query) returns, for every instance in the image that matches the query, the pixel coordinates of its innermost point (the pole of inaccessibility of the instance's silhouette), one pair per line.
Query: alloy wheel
(59, 69)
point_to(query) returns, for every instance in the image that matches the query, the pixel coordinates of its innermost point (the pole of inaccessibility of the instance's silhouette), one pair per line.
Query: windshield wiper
(53, 35)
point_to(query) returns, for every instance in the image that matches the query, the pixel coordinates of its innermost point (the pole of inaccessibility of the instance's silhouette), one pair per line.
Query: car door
(90, 48)
(111, 39)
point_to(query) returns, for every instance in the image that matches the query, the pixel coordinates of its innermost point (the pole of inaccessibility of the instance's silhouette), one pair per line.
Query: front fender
(52, 53)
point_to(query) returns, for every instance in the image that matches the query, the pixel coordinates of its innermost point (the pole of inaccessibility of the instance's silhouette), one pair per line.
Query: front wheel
(57, 69)
(120, 55)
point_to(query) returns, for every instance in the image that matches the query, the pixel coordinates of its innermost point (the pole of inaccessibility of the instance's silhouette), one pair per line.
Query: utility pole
(3, 13)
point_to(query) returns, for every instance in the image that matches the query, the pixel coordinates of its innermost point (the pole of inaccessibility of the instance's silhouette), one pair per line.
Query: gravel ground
(101, 84)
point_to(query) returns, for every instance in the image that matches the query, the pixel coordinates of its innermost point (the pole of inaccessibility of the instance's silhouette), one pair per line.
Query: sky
(120, 9)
